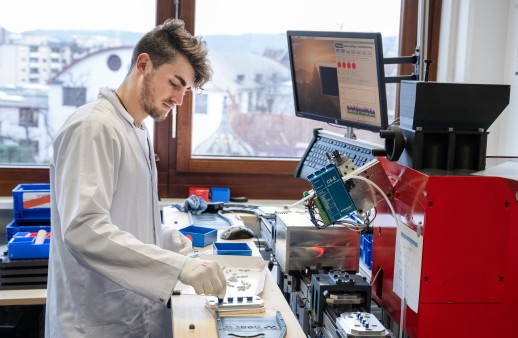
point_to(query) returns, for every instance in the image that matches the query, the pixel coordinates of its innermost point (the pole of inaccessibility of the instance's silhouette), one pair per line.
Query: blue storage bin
(238, 249)
(19, 226)
(220, 194)
(200, 236)
(22, 246)
(31, 202)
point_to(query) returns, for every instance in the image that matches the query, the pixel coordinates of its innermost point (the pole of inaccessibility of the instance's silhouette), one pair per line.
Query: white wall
(479, 44)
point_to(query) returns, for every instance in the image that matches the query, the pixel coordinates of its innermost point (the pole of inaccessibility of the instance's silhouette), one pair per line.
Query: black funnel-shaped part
(461, 106)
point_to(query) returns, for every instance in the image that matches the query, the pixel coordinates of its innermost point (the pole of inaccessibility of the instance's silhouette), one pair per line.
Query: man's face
(165, 87)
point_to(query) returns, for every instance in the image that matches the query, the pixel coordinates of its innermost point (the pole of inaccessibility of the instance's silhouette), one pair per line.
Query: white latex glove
(181, 243)
(206, 277)
(175, 241)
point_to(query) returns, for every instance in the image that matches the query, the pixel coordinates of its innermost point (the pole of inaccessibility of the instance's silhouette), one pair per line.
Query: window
(258, 176)
(51, 70)
(74, 96)
(255, 177)
(200, 106)
(28, 117)
(250, 97)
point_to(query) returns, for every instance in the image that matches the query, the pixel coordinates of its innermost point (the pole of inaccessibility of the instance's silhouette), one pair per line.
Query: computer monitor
(338, 77)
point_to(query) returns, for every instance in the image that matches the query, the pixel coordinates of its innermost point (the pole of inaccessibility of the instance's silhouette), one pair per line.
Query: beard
(146, 99)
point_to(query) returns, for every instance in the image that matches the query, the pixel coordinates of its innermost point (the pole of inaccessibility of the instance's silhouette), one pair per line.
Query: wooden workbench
(23, 297)
(190, 309)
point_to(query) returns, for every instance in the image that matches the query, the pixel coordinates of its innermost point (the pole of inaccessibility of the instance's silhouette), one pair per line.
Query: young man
(112, 266)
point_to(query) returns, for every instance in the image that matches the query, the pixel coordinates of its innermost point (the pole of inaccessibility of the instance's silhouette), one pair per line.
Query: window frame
(253, 178)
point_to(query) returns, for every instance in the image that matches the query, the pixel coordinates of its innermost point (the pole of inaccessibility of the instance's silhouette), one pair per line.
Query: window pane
(248, 106)
(55, 55)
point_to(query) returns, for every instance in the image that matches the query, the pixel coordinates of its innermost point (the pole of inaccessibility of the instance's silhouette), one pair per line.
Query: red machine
(469, 276)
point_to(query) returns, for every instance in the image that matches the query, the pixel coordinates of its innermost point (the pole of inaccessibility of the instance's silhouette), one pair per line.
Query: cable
(375, 276)
(311, 194)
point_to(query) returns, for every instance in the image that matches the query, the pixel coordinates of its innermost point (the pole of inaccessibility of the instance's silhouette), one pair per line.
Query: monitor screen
(338, 77)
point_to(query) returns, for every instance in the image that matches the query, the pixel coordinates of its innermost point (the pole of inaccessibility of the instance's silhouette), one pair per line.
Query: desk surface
(23, 297)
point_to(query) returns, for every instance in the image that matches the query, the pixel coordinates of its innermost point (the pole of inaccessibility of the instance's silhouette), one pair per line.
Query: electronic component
(332, 193)
(339, 291)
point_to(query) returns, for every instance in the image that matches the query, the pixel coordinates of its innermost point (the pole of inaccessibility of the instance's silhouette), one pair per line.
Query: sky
(213, 16)
(276, 16)
(129, 15)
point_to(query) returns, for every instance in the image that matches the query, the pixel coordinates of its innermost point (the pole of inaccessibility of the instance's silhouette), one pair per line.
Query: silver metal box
(300, 245)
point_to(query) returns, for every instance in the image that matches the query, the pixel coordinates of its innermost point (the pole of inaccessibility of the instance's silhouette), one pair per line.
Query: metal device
(251, 326)
(360, 324)
(363, 194)
(340, 292)
(299, 245)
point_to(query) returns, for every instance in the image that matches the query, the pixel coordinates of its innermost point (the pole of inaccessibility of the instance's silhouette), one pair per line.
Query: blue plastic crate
(200, 236)
(19, 226)
(218, 194)
(22, 246)
(366, 249)
(31, 201)
(238, 249)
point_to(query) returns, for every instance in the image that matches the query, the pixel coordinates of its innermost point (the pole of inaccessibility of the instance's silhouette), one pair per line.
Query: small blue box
(220, 194)
(22, 246)
(31, 201)
(238, 249)
(200, 236)
(19, 226)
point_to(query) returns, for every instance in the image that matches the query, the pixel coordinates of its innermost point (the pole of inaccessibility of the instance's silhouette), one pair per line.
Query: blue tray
(200, 236)
(25, 226)
(238, 249)
(22, 246)
(31, 202)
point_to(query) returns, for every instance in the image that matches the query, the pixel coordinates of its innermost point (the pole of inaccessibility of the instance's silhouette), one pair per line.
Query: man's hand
(206, 277)
(175, 241)
(181, 243)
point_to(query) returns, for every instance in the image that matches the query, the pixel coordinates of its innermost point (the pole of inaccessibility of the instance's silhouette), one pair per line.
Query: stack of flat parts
(235, 305)
(23, 274)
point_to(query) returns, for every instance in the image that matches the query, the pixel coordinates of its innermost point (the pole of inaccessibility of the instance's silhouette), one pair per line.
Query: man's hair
(169, 39)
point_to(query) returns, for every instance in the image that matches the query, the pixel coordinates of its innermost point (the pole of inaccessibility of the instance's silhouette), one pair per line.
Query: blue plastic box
(200, 236)
(22, 246)
(238, 249)
(31, 202)
(18, 226)
(220, 194)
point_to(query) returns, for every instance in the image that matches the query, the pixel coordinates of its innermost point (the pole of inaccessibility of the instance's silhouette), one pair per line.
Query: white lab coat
(108, 275)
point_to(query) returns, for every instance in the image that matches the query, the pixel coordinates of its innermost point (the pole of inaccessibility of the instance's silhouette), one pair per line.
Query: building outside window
(250, 101)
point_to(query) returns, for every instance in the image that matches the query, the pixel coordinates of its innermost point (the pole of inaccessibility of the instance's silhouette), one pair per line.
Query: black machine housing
(443, 126)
